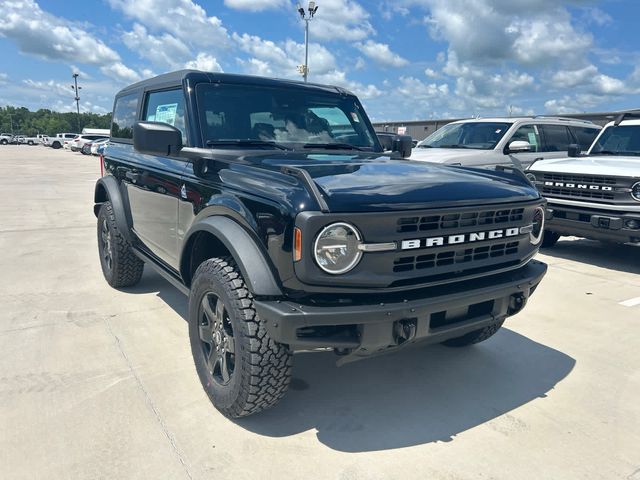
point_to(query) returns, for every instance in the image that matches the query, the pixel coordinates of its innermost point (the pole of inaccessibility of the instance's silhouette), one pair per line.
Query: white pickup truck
(596, 195)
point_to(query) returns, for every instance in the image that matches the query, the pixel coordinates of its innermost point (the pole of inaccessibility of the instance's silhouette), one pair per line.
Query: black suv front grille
(452, 257)
(459, 220)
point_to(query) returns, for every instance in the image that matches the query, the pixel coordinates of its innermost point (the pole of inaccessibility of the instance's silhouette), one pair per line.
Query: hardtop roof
(178, 77)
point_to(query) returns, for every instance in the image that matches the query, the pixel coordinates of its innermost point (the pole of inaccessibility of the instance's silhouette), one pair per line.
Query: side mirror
(574, 150)
(402, 144)
(157, 138)
(386, 141)
(519, 146)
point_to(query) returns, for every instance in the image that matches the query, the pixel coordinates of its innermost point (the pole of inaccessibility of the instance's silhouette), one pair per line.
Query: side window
(124, 116)
(528, 133)
(584, 136)
(556, 138)
(167, 106)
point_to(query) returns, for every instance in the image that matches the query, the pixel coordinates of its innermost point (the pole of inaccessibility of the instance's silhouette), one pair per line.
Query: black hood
(351, 183)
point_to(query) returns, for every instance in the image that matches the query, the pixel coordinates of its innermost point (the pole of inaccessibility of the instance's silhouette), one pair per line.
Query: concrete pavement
(99, 383)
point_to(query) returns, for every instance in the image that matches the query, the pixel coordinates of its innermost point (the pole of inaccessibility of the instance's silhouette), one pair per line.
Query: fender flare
(252, 262)
(112, 189)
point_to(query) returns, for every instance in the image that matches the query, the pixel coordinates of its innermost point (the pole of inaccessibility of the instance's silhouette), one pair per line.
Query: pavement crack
(149, 400)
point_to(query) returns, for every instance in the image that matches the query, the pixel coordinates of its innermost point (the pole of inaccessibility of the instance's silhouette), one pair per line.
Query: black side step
(170, 277)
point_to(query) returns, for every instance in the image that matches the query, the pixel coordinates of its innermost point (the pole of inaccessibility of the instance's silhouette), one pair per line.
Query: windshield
(262, 116)
(620, 140)
(473, 135)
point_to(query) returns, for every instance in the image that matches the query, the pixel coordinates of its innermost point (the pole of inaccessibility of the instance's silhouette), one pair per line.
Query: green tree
(47, 122)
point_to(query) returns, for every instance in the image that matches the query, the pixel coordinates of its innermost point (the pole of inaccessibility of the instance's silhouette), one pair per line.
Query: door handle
(133, 176)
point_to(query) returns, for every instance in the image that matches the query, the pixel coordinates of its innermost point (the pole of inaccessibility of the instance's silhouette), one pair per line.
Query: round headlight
(635, 191)
(535, 237)
(336, 248)
(531, 177)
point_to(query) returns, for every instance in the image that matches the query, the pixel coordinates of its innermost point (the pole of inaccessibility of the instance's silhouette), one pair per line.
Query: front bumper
(596, 224)
(433, 314)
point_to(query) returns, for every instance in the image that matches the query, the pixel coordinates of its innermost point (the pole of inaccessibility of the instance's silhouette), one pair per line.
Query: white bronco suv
(487, 142)
(596, 195)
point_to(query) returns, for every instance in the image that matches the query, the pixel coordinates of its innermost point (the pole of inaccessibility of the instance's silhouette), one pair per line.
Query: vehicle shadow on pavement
(421, 395)
(622, 258)
(152, 282)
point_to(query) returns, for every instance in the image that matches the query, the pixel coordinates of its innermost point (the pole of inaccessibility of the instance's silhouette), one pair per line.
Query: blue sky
(406, 59)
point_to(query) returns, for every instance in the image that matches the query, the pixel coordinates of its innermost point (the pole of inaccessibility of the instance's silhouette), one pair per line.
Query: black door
(154, 183)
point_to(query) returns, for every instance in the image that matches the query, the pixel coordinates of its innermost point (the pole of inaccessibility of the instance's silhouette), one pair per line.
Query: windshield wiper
(245, 142)
(335, 146)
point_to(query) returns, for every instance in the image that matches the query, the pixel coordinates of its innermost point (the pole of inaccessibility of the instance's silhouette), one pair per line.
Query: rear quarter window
(125, 113)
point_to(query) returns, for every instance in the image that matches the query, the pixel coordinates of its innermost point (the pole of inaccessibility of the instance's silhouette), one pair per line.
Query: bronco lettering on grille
(461, 238)
(582, 186)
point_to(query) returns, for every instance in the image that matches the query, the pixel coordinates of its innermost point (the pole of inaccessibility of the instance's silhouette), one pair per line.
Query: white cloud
(268, 58)
(119, 71)
(163, 50)
(51, 38)
(3, 78)
(256, 5)
(431, 73)
(381, 54)
(340, 20)
(184, 19)
(573, 78)
(205, 62)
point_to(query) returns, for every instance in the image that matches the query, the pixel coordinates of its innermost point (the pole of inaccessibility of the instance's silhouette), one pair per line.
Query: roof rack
(564, 119)
(625, 115)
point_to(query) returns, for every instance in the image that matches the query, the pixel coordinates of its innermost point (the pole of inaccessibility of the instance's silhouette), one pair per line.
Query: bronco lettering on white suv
(596, 195)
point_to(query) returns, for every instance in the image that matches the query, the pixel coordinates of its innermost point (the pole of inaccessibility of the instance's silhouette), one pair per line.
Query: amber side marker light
(297, 244)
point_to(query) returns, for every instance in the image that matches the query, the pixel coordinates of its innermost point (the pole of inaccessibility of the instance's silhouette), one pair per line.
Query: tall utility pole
(76, 90)
(306, 16)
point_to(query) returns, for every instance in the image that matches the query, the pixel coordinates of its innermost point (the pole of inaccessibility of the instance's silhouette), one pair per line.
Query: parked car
(27, 140)
(596, 195)
(290, 229)
(58, 141)
(79, 141)
(6, 138)
(86, 148)
(95, 145)
(487, 142)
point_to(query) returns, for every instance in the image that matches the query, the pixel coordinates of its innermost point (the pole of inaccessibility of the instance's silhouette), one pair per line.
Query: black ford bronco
(272, 205)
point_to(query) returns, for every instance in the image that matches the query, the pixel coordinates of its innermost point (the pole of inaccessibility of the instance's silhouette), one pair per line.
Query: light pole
(76, 90)
(306, 16)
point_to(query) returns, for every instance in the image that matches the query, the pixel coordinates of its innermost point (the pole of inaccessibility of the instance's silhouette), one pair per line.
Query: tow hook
(516, 303)
(404, 330)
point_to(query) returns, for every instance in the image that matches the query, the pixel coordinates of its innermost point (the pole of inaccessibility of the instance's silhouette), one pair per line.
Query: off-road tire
(262, 367)
(126, 268)
(549, 239)
(474, 337)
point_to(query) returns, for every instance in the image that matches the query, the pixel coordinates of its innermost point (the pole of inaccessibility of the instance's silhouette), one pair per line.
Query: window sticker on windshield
(166, 113)
(354, 117)
(498, 131)
(532, 138)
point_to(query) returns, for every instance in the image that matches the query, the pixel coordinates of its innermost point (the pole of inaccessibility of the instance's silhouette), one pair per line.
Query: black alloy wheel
(106, 247)
(217, 339)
